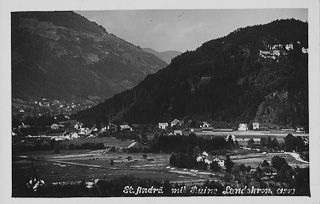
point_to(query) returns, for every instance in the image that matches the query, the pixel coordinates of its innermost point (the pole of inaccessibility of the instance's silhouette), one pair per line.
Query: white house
(220, 161)
(300, 129)
(163, 126)
(77, 126)
(206, 127)
(175, 122)
(255, 126)
(204, 157)
(289, 46)
(304, 50)
(74, 136)
(55, 126)
(125, 128)
(84, 131)
(243, 127)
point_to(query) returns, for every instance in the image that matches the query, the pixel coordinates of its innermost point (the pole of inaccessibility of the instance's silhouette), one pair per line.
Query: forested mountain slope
(62, 55)
(255, 73)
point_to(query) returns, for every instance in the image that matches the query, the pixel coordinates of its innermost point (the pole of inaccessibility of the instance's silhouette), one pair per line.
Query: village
(64, 152)
(46, 106)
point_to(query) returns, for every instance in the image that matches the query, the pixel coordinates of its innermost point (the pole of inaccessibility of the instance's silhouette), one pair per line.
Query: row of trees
(183, 144)
(54, 145)
(265, 143)
(291, 143)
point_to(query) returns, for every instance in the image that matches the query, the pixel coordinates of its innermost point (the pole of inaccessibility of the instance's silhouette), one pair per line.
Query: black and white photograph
(184, 101)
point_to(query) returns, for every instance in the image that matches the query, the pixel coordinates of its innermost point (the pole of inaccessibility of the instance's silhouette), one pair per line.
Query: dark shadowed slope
(255, 73)
(62, 55)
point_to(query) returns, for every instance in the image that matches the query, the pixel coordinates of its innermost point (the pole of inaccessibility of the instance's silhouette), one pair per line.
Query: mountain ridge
(166, 56)
(64, 55)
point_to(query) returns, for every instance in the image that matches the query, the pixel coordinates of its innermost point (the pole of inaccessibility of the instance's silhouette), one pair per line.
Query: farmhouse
(220, 161)
(175, 122)
(206, 127)
(111, 127)
(255, 126)
(74, 136)
(304, 50)
(204, 157)
(243, 127)
(54, 126)
(125, 128)
(300, 129)
(78, 125)
(163, 126)
(84, 131)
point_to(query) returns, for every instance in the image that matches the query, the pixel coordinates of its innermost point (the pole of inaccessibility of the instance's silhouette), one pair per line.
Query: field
(79, 165)
(107, 141)
(96, 165)
(90, 165)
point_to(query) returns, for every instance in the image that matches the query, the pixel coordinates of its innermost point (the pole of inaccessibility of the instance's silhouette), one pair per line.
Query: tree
(277, 162)
(112, 149)
(228, 163)
(293, 143)
(173, 160)
(192, 138)
(286, 173)
(269, 142)
(248, 168)
(71, 146)
(196, 151)
(214, 166)
(251, 142)
(202, 165)
(145, 155)
(230, 144)
(263, 142)
(242, 167)
(265, 163)
(289, 142)
(274, 143)
(236, 145)
(236, 171)
(111, 162)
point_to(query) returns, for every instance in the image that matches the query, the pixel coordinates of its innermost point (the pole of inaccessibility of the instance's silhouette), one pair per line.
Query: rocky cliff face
(62, 55)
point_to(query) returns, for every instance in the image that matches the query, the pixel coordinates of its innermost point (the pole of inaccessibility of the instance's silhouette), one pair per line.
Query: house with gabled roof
(243, 127)
(219, 160)
(175, 122)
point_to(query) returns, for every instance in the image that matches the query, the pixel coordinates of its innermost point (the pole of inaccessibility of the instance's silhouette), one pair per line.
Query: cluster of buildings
(45, 106)
(176, 127)
(204, 126)
(277, 50)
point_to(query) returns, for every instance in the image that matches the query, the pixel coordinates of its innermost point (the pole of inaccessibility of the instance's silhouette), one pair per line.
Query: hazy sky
(183, 30)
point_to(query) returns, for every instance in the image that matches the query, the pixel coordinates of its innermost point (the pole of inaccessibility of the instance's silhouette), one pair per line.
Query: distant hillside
(258, 73)
(62, 55)
(166, 56)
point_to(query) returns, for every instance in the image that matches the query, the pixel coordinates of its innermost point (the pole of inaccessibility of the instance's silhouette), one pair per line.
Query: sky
(182, 30)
